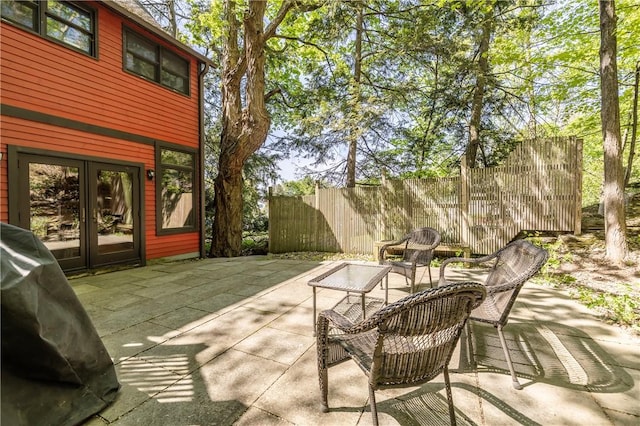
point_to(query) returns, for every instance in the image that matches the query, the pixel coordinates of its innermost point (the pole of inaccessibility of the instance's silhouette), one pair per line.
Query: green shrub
(622, 309)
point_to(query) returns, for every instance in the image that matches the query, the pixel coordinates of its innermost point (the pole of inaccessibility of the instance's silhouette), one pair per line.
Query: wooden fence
(538, 188)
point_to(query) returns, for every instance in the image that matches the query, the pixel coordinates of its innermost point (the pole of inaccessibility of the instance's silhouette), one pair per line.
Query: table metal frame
(352, 278)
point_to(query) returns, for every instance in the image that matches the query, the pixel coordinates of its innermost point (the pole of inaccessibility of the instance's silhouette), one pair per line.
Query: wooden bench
(455, 249)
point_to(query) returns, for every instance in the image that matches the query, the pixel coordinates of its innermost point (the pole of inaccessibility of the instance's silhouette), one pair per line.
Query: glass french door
(85, 212)
(113, 226)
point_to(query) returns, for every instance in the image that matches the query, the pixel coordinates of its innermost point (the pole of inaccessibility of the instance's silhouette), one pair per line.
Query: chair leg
(503, 342)
(322, 375)
(322, 348)
(374, 408)
(447, 383)
(471, 353)
(430, 280)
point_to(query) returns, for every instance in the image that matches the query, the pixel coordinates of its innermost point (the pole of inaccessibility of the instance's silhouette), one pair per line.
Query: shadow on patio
(229, 341)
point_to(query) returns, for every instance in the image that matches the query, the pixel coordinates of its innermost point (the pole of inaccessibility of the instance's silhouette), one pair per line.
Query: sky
(290, 167)
(288, 170)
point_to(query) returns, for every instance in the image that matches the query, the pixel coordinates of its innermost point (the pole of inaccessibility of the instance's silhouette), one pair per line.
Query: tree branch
(272, 93)
(287, 6)
(275, 23)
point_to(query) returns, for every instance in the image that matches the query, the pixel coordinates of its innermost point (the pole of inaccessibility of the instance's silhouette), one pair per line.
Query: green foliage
(333, 108)
(556, 258)
(410, 111)
(570, 66)
(255, 243)
(39, 226)
(319, 256)
(259, 169)
(622, 309)
(305, 186)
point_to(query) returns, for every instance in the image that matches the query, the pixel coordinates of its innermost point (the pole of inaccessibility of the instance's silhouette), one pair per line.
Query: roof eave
(156, 31)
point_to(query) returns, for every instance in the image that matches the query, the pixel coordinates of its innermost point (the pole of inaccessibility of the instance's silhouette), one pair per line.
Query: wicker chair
(508, 269)
(418, 249)
(406, 343)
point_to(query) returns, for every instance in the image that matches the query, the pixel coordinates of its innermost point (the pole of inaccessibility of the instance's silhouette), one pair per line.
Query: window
(22, 13)
(64, 22)
(175, 190)
(153, 62)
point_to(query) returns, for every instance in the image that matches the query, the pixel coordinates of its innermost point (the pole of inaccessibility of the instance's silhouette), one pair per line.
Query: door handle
(95, 215)
(83, 215)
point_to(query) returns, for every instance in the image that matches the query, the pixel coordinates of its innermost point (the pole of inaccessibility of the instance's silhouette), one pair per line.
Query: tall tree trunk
(354, 132)
(227, 223)
(478, 92)
(634, 127)
(425, 146)
(532, 125)
(614, 212)
(243, 130)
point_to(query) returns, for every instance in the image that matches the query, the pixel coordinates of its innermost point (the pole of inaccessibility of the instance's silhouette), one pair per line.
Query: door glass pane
(113, 213)
(54, 193)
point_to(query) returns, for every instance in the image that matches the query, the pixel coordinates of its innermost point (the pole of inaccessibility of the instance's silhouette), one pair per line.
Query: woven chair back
(420, 237)
(418, 334)
(514, 265)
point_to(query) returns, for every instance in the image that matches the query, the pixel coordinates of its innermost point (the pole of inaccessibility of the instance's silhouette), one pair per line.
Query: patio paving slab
(255, 416)
(278, 345)
(135, 340)
(219, 303)
(295, 396)
(183, 319)
(230, 341)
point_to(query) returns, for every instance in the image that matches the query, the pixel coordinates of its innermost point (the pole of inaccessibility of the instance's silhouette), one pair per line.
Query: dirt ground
(583, 256)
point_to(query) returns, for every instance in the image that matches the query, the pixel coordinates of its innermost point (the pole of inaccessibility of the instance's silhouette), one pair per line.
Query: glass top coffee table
(352, 278)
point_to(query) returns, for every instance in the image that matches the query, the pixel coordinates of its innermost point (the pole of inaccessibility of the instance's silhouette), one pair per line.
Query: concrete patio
(230, 341)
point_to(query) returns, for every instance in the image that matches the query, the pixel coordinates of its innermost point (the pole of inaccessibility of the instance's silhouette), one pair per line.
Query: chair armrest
(383, 249)
(430, 247)
(330, 317)
(449, 260)
(494, 289)
(473, 260)
(337, 320)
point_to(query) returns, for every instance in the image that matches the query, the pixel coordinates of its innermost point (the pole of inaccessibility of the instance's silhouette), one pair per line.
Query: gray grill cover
(55, 368)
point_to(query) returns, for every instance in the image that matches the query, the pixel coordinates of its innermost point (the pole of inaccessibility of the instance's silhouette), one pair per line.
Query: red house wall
(42, 76)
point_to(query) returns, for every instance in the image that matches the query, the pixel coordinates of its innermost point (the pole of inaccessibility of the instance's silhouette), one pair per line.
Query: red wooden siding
(95, 91)
(42, 76)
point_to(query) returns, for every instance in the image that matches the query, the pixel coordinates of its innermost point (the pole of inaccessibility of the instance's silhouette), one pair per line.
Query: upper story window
(153, 62)
(64, 22)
